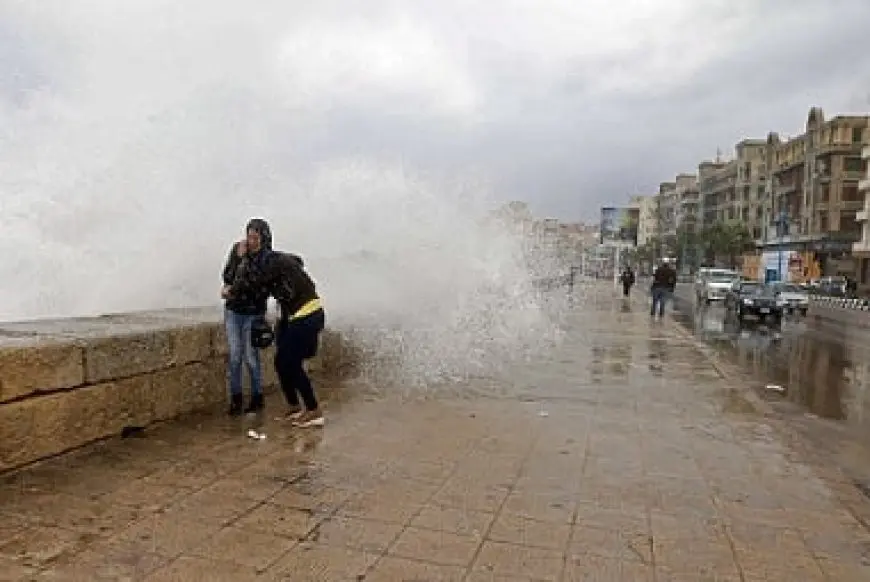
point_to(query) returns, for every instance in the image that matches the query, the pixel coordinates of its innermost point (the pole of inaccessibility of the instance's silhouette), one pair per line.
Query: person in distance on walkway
(297, 335)
(663, 284)
(627, 279)
(240, 313)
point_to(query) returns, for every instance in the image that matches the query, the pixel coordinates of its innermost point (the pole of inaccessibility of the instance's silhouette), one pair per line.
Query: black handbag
(262, 334)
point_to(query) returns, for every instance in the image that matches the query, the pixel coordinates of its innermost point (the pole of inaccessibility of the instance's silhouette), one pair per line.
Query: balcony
(852, 175)
(784, 189)
(862, 215)
(862, 247)
(864, 185)
(865, 152)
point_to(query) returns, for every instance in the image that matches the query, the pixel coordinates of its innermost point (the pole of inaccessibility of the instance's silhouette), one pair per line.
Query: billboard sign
(619, 225)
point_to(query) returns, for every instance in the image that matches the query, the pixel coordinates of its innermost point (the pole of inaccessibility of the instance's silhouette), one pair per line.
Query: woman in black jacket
(302, 318)
(241, 311)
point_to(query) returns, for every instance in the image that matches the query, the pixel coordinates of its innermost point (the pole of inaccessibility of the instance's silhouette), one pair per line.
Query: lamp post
(781, 226)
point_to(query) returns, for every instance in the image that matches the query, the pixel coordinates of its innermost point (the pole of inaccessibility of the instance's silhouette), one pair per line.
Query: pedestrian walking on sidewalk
(241, 312)
(297, 335)
(663, 284)
(627, 279)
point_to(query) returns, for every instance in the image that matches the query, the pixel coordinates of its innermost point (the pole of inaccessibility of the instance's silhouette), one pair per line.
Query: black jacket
(665, 277)
(281, 275)
(251, 302)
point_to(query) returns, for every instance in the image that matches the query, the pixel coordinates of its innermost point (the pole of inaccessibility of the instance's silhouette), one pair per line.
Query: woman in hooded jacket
(241, 311)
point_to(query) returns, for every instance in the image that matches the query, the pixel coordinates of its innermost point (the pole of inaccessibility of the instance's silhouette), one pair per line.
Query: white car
(791, 297)
(716, 287)
(706, 275)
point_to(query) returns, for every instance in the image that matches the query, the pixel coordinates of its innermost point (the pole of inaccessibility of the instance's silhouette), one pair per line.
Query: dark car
(753, 298)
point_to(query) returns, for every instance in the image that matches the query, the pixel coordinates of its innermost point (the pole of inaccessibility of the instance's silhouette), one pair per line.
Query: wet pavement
(814, 371)
(624, 455)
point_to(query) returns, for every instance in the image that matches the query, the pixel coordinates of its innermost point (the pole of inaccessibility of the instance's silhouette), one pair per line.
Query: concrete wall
(65, 383)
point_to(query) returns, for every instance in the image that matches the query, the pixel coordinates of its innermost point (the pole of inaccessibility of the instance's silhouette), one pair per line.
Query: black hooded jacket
(281, 275)
(252, 302)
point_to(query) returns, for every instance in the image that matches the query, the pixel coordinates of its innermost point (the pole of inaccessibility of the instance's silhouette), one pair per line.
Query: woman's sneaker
(310, 419)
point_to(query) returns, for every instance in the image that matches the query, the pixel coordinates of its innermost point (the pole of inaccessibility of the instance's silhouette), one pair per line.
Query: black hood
(261, 226)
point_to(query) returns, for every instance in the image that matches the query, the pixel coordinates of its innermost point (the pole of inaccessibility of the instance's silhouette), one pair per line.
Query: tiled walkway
(624, 456)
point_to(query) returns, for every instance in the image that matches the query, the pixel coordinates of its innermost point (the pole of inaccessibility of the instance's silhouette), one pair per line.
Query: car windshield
(751, 288)
(721, 279)
(789, 288)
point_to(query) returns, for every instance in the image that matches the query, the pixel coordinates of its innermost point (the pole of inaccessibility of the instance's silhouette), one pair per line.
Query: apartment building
(687, 203)
(647, 222)
(861, 248)
(666, 214)
(815, 179)
(707, 171)
(723, 190)
(750, 185)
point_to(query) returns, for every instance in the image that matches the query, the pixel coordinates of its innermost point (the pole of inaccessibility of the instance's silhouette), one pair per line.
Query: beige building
(861, 248)
(707, 172)
(815, 180)
(666, 208)
(647, 221)
(723, 187)
(750, 185)
(687, 203)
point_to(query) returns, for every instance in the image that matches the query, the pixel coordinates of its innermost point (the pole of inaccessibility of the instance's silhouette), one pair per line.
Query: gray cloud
(567, 104)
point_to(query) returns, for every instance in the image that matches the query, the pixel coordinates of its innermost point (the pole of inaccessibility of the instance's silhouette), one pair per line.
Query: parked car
(833, 286)
(753, 298)
(713, 284)
(792, 298)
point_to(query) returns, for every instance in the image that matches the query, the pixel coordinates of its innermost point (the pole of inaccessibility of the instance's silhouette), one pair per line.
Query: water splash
(133, 152)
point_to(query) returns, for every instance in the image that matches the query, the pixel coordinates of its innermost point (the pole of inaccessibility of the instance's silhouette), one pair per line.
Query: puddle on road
(823, 368)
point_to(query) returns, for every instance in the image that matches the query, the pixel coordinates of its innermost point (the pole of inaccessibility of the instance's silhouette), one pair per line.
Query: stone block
(34, 364)
(16, 428)
(191, 343)
(186, 388)
(127, 354)
(42, 426)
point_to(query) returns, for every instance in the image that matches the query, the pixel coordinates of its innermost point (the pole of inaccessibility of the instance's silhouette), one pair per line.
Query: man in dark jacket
(302, 319)
(241, 310)
(664, 283)
(627, 279)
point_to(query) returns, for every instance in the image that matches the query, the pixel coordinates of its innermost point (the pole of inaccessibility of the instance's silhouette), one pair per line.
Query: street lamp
(781, 227)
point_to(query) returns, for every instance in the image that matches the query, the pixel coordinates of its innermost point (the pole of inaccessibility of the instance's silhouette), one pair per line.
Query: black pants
(296, 341)
(626, 289)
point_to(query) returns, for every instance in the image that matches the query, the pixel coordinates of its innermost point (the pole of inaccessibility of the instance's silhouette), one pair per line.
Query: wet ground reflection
(811, 362)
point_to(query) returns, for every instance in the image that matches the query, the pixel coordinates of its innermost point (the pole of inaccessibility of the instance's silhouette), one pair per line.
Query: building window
(823, 221)
(825, 194)
(857, 134)
(850, 194)
(848, 223)
(853, 164)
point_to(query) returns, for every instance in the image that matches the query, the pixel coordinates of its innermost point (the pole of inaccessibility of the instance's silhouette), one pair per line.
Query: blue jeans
(659, 297)
(238, 328)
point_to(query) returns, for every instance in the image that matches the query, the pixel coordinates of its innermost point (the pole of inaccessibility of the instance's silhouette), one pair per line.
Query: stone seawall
(65, 383)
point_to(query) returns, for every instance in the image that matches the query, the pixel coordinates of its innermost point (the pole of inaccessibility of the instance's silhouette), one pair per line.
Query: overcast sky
(128, 129)
(566, 104)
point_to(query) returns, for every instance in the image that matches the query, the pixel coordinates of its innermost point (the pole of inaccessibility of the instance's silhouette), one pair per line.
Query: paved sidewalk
(623, 456)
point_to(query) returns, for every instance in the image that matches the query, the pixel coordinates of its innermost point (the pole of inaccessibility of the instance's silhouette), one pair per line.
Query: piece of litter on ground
(253, 434)
(775, 388)
(262, 436)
